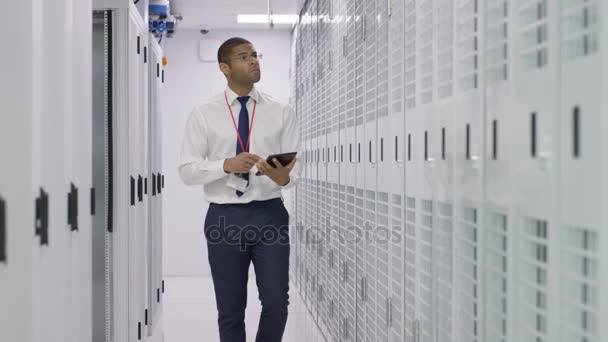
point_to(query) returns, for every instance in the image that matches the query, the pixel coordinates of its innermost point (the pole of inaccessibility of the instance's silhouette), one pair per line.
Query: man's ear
(225, 68)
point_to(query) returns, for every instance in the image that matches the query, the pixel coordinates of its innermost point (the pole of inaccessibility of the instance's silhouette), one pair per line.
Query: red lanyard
(236, 127)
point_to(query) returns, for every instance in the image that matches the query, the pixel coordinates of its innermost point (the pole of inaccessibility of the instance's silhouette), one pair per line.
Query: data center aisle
(190, 315)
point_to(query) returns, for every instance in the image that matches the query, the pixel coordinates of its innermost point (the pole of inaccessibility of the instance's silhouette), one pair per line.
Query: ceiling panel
(222, 14)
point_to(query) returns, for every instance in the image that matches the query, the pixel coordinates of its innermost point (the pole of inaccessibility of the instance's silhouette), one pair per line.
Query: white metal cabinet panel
(381, 240)
(441, 169)
(135, 224)
(582, 72)
(536, 160)
(144, 170)
(81, 300)
(369, 27)
(323, 94)
(154, 250)
(346, 217)
(120, 237)
(419, 182)
(316, 127)
(71, 177)
(51, 266)
(409, 280)
(500, 184)
(138, 224)
(333, 168)
(17, 189)
(384, 167)
(128, 288)
(468, 166)
(410, 88)
(361, 324)
(394, 151)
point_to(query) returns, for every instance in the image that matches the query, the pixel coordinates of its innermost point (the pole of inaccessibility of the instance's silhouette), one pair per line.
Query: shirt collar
(232, 96)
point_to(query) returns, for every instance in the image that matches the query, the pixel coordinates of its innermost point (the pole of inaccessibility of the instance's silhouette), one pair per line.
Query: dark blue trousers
(238, 234)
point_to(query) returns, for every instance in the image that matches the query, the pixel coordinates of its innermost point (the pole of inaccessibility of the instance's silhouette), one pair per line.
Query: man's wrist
(226, 166)
(284, 182)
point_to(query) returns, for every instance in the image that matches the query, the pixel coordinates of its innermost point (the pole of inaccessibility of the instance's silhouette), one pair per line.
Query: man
(246, 221)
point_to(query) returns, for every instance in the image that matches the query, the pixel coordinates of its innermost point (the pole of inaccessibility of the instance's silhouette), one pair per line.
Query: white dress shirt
(210, 138)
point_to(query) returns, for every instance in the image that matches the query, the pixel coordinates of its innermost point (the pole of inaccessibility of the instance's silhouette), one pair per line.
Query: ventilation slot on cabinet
(425, 228)
(444, 254)
(579, 28)
(468, 242)
(580, 276)
(497, 272)
(534, 38)
(533, 268)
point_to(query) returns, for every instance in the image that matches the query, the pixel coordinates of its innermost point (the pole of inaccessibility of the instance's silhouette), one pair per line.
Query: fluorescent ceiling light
(263, 19)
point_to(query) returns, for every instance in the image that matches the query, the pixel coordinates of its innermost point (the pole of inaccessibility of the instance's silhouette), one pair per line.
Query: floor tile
(190, 314)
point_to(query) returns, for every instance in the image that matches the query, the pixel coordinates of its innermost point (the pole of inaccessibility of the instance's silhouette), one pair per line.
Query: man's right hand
(241, 163)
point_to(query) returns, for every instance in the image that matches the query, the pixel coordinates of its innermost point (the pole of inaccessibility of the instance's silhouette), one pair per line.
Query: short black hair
(223, 53)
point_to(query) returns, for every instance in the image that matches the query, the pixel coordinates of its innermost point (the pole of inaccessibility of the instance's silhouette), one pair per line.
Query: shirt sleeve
(195, 168)
(290, 142)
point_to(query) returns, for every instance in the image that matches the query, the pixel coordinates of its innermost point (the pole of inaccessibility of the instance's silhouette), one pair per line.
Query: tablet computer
(283, 158)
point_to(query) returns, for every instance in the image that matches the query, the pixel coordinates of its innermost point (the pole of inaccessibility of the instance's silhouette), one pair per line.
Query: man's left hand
(280, 174)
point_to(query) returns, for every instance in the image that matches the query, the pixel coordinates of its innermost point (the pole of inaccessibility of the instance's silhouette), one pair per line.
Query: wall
(187, 82)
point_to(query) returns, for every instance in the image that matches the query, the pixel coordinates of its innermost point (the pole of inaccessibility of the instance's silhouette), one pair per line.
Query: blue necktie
(244, 133)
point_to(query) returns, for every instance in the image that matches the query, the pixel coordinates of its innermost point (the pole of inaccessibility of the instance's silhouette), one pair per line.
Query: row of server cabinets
(81, 181)
(455, 180)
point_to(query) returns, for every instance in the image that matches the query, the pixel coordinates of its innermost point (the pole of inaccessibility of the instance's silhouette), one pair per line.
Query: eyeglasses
(247, 57)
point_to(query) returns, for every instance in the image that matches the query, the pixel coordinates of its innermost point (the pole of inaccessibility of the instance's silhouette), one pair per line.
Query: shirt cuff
(291, 183)
(217, 168)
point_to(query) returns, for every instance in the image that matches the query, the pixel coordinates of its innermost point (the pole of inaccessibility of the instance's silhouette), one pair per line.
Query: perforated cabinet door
(499, 164)
(583, 161)
(535, 162)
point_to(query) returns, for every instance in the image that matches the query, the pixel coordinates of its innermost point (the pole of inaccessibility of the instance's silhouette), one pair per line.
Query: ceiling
(222, 14)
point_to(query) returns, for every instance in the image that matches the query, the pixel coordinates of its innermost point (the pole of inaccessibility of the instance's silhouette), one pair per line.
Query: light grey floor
(190, 314)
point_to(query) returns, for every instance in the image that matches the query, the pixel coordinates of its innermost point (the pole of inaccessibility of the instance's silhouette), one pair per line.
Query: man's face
(243, 68)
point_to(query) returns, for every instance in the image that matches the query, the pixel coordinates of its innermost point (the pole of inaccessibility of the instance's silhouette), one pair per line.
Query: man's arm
(195, 168)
